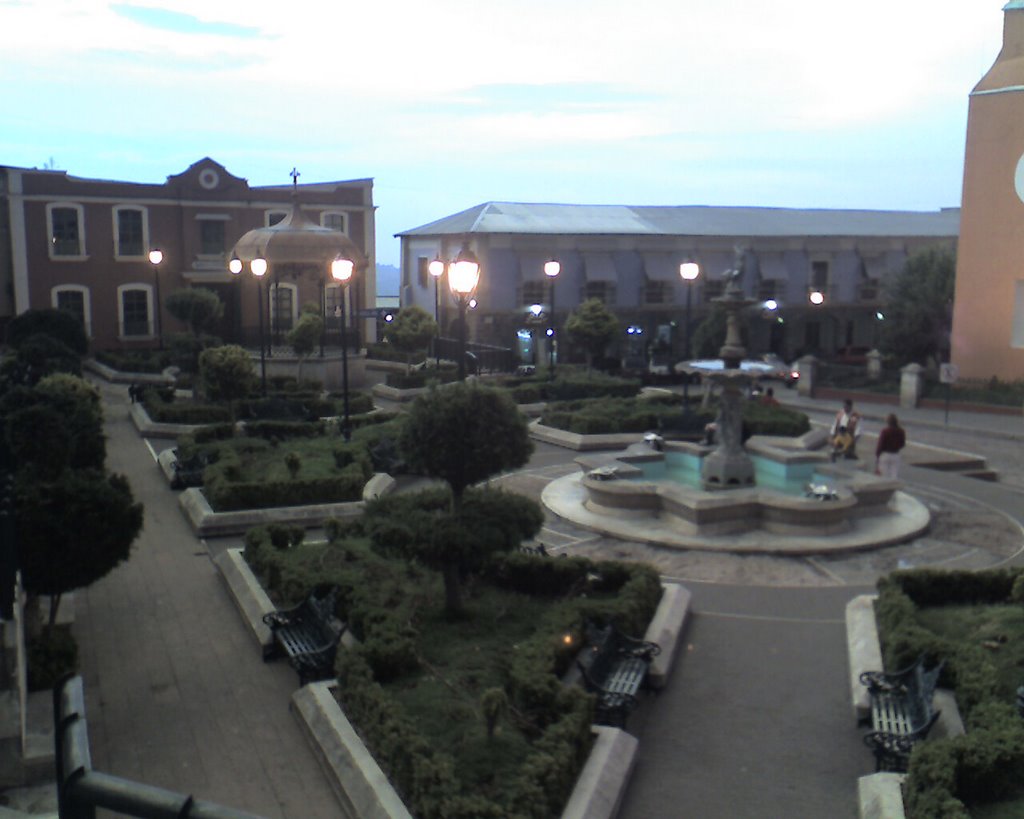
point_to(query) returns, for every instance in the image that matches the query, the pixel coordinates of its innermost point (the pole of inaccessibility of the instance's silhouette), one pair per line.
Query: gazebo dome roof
(297, 240)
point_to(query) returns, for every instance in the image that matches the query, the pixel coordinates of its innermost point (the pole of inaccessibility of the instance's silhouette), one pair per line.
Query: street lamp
(436, 269)
(258, 266)
(463, 277)
(551, 269)
(156, 256)
(816, 297)
(341, 272)
(688, 272)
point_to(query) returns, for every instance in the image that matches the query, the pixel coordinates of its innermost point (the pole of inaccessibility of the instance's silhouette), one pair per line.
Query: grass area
(1007, 809)
(997, 628)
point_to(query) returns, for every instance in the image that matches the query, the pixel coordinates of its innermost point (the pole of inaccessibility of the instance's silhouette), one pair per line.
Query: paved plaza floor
(755, 721)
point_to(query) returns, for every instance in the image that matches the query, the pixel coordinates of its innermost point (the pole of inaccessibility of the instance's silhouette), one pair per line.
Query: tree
(226, 374)
(462, 434)
(73, 531)
(305, 336)
(198, 307)
(918, 307)
(34, 358)
(62, 325)
(593, 326)
(411, 331)
(420, 526)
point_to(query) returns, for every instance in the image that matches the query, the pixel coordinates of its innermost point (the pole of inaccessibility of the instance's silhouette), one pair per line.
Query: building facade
(988, 308)
(629, 257)
(83, 245)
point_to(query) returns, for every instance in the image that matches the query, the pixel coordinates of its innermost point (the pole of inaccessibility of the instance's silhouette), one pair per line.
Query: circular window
(208, 178)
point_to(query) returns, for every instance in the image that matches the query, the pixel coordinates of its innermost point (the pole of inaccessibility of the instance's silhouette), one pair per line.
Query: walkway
(176, 692)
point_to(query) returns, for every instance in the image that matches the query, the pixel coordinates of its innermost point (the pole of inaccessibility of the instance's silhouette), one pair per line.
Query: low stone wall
(207, 523)
(118, 377)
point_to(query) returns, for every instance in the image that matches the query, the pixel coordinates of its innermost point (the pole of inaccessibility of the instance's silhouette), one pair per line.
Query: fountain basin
(613, 497)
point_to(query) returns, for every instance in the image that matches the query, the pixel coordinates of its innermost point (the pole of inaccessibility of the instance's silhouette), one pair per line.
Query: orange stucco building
(988, 312)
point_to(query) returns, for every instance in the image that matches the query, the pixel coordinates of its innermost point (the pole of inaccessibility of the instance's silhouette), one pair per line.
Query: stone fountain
(728, 466)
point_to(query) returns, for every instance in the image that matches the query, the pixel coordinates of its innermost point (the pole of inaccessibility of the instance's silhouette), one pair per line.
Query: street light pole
(688, 272)
(258, 266)
(436, 269)
(156, 256)
(551, 269)
(463, 277)
(341, 272)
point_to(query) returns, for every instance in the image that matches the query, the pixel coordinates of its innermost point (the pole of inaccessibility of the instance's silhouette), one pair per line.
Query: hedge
(987, 763)
(168, 412)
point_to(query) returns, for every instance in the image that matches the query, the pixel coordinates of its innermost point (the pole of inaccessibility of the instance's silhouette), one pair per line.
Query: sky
(450, 103)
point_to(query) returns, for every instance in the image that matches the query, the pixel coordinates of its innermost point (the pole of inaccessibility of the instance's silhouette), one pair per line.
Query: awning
(661, 267)
(599, 267)
(772, 267)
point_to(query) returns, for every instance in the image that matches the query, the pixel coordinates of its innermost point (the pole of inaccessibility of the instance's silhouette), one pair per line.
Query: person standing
(887, 454)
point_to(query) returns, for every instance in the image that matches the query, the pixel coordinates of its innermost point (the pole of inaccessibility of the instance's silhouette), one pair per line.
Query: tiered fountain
(770, 495)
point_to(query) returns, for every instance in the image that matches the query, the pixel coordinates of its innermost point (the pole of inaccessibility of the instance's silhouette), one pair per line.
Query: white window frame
(273, 304)
(267, 214)
(86, 302)
(144, 255)
(212, 217)
(1017, 327)
(149, 312)
(65, 257)
(341, 213)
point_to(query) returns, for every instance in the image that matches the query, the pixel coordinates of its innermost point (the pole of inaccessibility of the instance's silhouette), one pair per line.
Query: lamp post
(258, 266)
(341, 272)
(688, 272)
(463, 277)
(156, 256)
(551, 269)
(436, 269)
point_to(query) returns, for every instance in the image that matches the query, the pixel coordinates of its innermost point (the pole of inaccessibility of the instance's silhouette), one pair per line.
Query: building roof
(689, 220)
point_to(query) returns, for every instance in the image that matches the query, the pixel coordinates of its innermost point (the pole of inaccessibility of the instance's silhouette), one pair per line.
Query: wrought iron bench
(308, 634)
(614, 667)
(902, 713)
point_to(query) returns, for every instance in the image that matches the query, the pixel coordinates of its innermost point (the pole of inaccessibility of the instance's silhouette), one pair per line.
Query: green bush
(51, 654)
(164, 411)
(283, 430)
(135, 361)
(228, 496)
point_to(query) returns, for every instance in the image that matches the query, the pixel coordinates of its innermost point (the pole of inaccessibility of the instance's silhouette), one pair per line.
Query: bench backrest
(920, 691)
(318, 613)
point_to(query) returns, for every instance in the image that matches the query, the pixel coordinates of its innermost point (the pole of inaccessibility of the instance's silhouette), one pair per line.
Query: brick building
(83, 245)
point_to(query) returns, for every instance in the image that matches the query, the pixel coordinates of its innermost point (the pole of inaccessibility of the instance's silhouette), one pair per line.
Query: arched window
(131, 233)
(74, 298)
(65, 225)
(135, 311)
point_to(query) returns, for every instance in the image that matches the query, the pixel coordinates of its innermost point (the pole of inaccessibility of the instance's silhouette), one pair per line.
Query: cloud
(167, 20)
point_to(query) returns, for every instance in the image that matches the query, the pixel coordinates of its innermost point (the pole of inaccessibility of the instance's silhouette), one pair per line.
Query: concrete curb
(582, 443)
(863, 649)
(602, 782)
(881, 796)
(665, 629)
(207, 523)
(358, 781)
(119, 377)
(148, 428)
(247, 594)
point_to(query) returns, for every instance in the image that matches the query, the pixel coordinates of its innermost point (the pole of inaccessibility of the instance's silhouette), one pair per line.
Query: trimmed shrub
(61, 325)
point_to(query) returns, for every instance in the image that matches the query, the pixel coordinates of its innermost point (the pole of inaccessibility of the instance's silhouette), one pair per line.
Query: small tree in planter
(198, 307)
(304, 338)
(593, 326)
(411, 331)
(226, 374)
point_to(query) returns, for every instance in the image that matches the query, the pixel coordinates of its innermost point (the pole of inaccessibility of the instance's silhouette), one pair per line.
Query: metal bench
(614, 667)
(902, 713)
(308, 635)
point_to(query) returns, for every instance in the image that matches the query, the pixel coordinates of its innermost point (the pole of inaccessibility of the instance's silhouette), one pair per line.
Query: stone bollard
(874, 365)
(911, 384)
(808, 369)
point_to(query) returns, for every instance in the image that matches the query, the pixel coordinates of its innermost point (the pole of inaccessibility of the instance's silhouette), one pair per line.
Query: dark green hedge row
(169, 412)
(421, 378)
(534, 389)
(225, 495)
(135, 361)
(986, 764)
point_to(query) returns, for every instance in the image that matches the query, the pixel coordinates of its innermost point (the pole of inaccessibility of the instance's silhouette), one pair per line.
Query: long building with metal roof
(629, 257)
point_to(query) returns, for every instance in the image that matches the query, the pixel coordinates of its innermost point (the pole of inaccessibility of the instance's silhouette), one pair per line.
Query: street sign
(948, 373)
